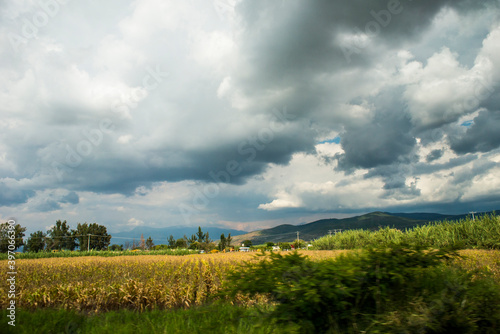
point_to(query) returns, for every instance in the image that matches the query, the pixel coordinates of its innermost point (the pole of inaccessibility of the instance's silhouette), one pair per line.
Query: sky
(246, 114)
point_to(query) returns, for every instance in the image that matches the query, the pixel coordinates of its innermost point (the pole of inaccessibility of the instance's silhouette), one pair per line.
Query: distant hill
(319, 228)
(160, 235)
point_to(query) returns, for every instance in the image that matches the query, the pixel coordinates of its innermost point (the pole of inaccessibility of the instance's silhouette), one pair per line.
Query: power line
(335, 231)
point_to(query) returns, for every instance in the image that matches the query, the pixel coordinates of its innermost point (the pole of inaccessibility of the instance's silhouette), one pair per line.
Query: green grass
(42, 255)
(216, 318)
(482, 233)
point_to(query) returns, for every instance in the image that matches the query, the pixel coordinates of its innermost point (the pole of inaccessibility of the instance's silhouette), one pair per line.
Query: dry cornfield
(97, 284)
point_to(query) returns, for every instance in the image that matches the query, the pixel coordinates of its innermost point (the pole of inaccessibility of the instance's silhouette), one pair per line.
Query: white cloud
(135, 222)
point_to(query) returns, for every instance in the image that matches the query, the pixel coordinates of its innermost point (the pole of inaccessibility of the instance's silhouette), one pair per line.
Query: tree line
(95, 237)
(59, 237)
(199, 240)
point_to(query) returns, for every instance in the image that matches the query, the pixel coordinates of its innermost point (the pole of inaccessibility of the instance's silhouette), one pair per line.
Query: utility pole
(298, 243)
(88, 243)
(473, 212)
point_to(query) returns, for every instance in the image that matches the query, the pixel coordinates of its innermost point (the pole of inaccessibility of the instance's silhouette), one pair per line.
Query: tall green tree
(94, 235)
(171, 241)
(149, 243)
(6, 236)
(36, 242)
(60, 237)
(192, 239)
(228, 240)
(200, 235)
(222, 242)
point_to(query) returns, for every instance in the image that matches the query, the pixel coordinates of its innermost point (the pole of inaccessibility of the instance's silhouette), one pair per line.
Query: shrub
(370, 289)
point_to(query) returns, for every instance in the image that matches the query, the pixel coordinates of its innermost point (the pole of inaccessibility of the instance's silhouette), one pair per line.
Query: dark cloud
(467, 175)
(427, 168)
(232, 162)
(286, 40)
(384, 140)
(12, 196)
(482, 136)
(71, 198)
(47, 205)
(434, 155)
(374, 145)
(395, 178)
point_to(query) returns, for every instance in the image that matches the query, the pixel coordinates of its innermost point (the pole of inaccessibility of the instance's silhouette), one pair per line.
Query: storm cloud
(246, 112)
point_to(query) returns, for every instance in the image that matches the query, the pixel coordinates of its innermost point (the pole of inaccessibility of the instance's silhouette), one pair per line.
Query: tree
(192, 239)
(269, 245)
(36, 242)
(60, 237)
(247, 243)
(149, 243)
(222, 242)
(200, 235)
(195, 245)
(285, 245)
(93, 236)
(171, 241)
(207, 238)
(11, 231)
(180, 243)
(228, 240)
(142, 245)
(207, 245)
(116, 247)
(299, 244)
(135, 244)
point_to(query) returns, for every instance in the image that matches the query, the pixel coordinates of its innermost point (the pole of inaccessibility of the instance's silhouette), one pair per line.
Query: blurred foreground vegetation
(378, 290)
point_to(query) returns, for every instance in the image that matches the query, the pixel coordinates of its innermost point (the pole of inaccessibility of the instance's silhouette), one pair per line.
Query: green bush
(373, 290)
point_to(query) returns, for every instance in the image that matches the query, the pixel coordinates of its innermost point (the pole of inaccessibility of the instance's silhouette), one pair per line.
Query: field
(67, 253)
(92, 287)
(96, 284)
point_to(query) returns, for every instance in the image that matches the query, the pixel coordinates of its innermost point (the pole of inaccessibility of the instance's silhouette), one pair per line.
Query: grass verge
(215, 318)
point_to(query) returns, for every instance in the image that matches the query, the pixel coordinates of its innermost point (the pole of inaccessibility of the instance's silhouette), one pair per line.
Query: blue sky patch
(335, 140)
